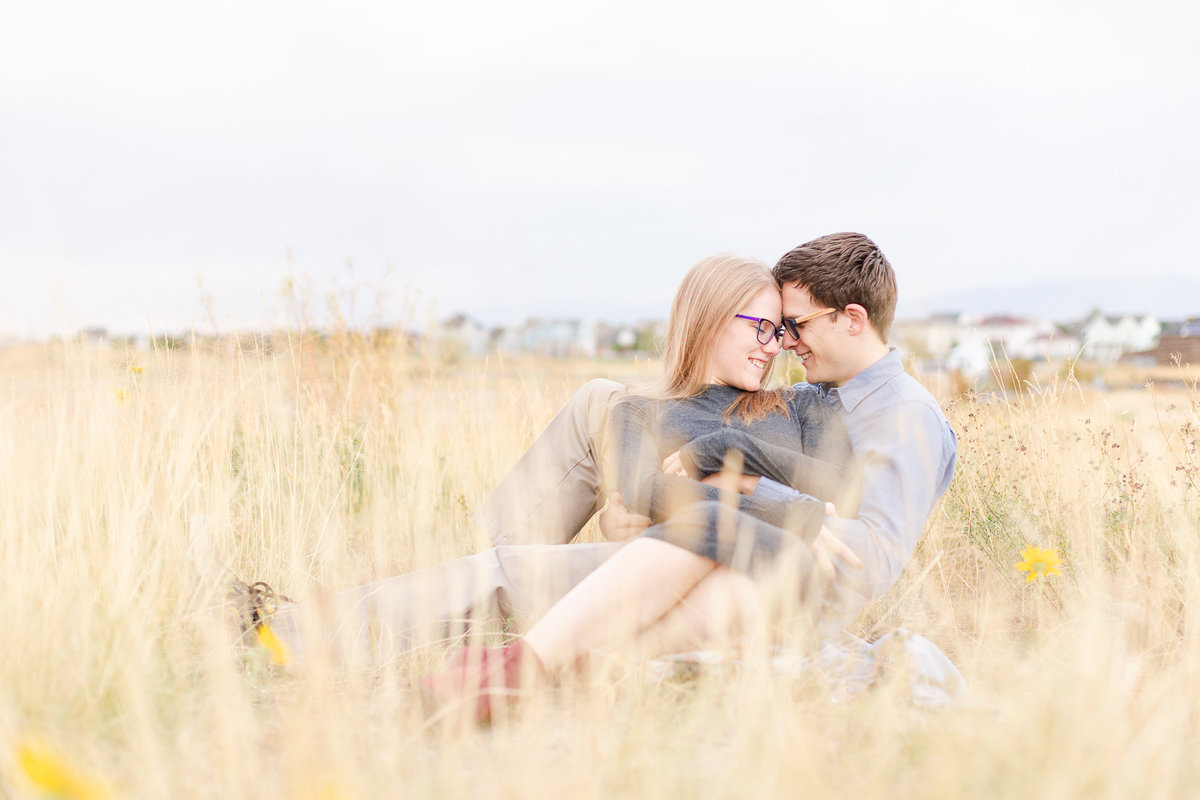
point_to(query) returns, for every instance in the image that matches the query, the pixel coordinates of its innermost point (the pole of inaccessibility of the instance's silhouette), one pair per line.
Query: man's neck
(869, 356)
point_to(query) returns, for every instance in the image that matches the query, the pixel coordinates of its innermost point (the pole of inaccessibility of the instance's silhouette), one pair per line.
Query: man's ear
(859, 319)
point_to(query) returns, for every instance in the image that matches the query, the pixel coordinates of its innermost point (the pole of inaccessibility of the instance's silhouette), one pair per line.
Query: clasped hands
(618, 523)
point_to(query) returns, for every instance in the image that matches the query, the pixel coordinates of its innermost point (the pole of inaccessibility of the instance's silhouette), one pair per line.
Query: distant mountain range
(1169, 297)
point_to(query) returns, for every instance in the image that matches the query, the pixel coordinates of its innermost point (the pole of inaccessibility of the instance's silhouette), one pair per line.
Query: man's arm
(907, 456)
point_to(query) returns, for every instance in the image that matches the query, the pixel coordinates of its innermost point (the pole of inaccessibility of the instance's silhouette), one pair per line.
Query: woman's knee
(725, 603)
(709, 528)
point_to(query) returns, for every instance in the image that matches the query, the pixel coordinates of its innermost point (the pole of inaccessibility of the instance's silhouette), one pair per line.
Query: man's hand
(618, 523)
(826, 549)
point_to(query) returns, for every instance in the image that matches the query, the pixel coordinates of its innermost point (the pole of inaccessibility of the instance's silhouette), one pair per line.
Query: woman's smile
(738, 358)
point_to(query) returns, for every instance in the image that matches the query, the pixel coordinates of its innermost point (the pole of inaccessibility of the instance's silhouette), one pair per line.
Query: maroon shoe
(482, 679)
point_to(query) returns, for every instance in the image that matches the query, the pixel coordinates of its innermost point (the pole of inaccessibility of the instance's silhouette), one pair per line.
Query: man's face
(823, 345)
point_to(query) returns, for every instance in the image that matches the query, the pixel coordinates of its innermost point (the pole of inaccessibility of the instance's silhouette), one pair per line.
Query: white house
(1056, 346)
(464, 334)
(934, 337)
(970, 356)
(559, 337)
(1014, 337)
(961, 340)
(1106, 338)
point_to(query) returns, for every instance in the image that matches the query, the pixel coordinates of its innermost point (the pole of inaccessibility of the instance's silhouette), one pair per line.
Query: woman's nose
(772, 346)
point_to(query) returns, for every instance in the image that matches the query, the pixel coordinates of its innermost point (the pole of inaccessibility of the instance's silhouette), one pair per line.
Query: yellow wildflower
(1039, 563)
(121, 395)
(51, 775)
(270, 642)
(136, 369)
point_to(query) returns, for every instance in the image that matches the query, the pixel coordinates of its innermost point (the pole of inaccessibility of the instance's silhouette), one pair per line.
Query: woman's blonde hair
(710, 294)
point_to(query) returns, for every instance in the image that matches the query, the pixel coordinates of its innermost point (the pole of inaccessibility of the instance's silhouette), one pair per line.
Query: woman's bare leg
(721, 609)
(644, 581)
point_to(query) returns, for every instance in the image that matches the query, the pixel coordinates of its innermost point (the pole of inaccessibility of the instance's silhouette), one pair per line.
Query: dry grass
(324, 467)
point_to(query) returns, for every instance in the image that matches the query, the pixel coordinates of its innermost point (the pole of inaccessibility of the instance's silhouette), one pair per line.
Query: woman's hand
(673, 465)
(618, 523)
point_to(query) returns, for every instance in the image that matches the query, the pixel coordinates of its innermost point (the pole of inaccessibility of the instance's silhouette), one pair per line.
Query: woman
(675, 581)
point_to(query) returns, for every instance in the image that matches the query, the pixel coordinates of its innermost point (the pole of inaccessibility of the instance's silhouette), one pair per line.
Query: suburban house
(969, 342)
(557, 337)
(461, 333)
(1178, 344)
(1107, 338)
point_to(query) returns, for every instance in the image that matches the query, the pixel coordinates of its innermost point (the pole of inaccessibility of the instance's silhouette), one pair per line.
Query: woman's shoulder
(709, 394)
(801, 395)
(806, 402)
(705, 407)
(639, 406)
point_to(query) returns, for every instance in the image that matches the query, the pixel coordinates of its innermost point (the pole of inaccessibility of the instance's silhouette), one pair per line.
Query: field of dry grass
(321, 466)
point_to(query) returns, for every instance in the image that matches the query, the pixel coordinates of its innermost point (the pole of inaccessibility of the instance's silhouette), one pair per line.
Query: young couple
(831, 483)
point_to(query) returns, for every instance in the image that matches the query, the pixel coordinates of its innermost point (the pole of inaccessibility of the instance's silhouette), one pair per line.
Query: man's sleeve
(768, 489)
(906, 456)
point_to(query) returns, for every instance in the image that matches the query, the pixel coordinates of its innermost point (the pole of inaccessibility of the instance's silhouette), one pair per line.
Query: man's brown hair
(840, 269)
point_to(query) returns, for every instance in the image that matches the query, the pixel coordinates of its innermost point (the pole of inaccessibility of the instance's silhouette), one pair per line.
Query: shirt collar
(855, 390)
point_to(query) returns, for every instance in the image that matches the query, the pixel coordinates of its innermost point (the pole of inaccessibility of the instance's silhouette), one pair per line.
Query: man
(839, 294)
(839, 301)
(839, 298)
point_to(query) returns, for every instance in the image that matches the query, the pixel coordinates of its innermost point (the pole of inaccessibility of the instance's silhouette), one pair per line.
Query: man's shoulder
(903, 390)
(902, 403)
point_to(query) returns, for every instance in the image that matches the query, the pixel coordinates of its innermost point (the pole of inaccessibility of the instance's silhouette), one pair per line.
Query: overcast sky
(162, 164)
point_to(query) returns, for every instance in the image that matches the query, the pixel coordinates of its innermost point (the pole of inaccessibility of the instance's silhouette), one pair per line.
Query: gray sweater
(808, 450)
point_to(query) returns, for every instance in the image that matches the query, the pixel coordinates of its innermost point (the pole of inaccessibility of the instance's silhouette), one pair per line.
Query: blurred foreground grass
(322, 467)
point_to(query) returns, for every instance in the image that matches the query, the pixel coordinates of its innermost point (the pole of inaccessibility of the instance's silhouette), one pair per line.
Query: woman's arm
(646, 490)
(638, 463)
(822, 467)
(633, 454)
(822, 477)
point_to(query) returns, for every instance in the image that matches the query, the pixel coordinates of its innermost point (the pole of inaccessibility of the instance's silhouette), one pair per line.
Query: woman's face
(738, 358)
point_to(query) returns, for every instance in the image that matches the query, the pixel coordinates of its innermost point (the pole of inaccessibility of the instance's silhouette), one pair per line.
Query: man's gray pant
(537, 508)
